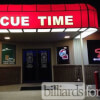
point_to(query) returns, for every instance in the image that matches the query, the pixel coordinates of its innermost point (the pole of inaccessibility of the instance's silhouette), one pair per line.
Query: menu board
(63, 55)
(8, 54)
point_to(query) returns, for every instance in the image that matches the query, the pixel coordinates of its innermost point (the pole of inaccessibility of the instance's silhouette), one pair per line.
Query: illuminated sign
(48, 16)
(38, 20)
(63, 55)
(98, 54)
(93, 51)
(24, 20)
(14, 21)
(56, 20)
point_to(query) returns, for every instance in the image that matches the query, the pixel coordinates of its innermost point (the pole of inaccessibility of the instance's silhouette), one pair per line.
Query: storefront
(44, 42)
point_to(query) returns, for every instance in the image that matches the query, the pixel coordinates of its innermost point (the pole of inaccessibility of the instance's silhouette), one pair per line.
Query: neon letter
(25, 21)
(58, 21)
(2, 21)
(42, 20)
(15, 22)
(49, 20)
(68, 20)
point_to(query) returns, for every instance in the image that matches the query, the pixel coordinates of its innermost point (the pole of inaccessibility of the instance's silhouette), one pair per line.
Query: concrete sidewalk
(12, 92)
(27, 95)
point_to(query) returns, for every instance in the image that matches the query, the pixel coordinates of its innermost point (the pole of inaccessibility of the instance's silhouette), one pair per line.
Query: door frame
(22, 81)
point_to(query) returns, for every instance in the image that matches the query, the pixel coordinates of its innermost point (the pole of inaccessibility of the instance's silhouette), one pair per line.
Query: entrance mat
(30, 88)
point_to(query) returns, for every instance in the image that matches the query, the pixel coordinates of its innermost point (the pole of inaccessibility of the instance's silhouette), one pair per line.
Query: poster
(29, 60)
(8, 54)
(44, 59)
(63, 55)
(93, 51)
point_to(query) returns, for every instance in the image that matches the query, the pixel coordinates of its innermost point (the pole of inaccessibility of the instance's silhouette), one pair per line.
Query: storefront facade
(39, 50)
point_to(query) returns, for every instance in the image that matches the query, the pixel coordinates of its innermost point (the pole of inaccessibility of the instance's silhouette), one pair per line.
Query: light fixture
(4, 31)
(66, 37)
(72, 29)
(43, 30)
(15, 30)
(89, 31)
(7, 38)
(58, 30)
(29, 30)
(82, 29)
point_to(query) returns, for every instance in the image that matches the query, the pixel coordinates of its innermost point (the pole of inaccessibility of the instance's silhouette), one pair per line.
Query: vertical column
(82, 61)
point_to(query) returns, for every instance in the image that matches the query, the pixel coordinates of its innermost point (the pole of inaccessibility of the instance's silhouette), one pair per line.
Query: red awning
(48, 16)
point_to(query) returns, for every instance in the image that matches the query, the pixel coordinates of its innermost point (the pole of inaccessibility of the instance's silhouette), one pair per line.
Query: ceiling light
(58, 30)
(82, 29)
(66, 37)
(4, 31)
(29, 30)
(92, 29)
(72, 29)
(43, 30)
(7, 38)
(89, 31)
(15, 30)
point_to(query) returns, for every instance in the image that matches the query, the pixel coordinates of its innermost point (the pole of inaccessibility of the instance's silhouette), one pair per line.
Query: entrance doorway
(37, 65)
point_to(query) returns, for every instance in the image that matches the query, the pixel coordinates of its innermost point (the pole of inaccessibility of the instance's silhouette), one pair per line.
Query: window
(93, 51)
(8, 54)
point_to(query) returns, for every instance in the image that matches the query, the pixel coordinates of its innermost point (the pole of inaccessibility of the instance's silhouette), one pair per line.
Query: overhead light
(72, 29)
(29, 30)
(7, 38)
(92, 29)
(15, 30)
(43, 30)
(89, 31)
(58, 30)
(82, 29)
(66, 37)
(4, 31)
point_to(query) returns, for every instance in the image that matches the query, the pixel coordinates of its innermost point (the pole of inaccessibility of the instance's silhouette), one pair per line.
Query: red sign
(27, 17)
(98, 51)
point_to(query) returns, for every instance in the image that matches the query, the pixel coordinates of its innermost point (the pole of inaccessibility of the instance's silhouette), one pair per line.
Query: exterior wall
(77, 53)
(74, 53)
(10, 75)
(21, 46)
(70, 73)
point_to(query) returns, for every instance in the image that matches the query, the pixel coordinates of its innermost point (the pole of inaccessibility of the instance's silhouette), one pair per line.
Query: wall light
(89, 31)
(67, 37)
(7, 38)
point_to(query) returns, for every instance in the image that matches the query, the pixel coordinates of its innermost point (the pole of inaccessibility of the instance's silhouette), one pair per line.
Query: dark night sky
(94, 3)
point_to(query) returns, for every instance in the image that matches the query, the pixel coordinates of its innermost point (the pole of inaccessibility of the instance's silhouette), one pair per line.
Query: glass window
(8, 54)
(93, 51)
